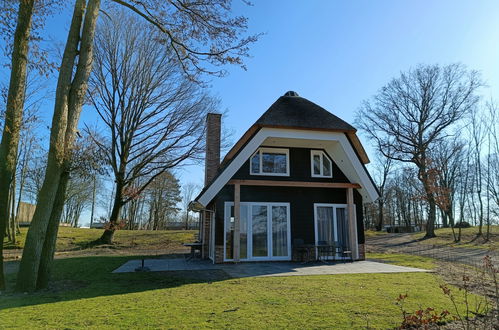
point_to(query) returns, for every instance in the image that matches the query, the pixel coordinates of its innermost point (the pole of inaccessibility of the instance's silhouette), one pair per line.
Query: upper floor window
(270, 161)
(321, 164)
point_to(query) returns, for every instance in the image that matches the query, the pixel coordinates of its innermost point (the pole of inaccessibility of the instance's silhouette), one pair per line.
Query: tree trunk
(70, 94)
(432, 212)
(21, 185)
(51, 237)
(13, 210)
(379, 224)
(430, 198)
(445, 223)
(93, 201)
(13, 115)
(9, 205)
(108, 234)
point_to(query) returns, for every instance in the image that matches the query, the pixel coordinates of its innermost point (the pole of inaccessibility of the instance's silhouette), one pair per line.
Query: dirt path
(406, 243)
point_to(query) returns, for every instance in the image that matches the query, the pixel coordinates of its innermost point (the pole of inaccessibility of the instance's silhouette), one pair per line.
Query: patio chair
(300, 249)
(346, 254)
(325, 249)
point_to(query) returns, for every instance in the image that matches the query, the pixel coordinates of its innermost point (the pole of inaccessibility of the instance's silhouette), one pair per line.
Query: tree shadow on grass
(89, 277)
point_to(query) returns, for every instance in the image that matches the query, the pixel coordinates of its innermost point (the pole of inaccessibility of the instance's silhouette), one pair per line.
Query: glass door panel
(325, 225)
(229, 231)
(259, 231)
(264, 231)
(332, 225)
(243, 222)
(279, 231)
(341, 219)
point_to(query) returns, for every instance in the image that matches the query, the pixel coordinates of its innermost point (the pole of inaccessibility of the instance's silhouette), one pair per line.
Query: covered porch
(273, 231)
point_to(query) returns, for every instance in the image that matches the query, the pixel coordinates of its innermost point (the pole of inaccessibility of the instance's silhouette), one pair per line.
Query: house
(297, 176)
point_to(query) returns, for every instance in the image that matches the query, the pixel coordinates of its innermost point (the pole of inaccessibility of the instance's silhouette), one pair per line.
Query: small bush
(462, 224)
(421, 318)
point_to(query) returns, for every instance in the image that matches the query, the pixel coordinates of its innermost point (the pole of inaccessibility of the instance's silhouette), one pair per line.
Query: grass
(86, 294)
(404, 260)
(70, 239)
(469, 238)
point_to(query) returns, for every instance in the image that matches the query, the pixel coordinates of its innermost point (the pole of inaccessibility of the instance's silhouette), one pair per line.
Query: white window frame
(249, 231)
(269, 150)
(335, 222)
(211, 251)
(321, 154)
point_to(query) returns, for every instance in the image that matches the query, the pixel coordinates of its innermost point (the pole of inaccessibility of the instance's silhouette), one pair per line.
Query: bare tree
(78, 196)
(13, 116)
(189, 190)
(383, 168)
(448, 159)
(477, 131)
(202, 34)
(17, 48)
(71, 89)
(154, 116)
(413, 112)
(163, 195)
(492, 174)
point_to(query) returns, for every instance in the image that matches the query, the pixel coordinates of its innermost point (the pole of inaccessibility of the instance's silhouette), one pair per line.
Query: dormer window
(270, 161)
(321, 164)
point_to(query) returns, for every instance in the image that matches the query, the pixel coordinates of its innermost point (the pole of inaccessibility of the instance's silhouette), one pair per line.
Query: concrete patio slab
(260, 269)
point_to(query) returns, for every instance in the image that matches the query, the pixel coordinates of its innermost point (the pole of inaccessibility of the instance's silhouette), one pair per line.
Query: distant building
(26, 211)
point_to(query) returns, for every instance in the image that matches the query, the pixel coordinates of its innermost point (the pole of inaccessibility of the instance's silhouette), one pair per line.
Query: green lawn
(70, 239)
(469, 238)
(84, 294)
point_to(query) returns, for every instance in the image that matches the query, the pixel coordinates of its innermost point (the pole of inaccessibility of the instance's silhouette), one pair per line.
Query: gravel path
(406, 243)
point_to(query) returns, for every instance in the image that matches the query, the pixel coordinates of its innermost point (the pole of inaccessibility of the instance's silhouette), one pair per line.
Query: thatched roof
(291, 110)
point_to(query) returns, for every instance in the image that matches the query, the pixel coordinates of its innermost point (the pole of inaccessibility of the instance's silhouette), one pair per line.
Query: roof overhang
(335, 143)
(254, 128)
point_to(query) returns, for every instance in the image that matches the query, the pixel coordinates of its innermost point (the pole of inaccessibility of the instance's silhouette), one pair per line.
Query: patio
(259, 269)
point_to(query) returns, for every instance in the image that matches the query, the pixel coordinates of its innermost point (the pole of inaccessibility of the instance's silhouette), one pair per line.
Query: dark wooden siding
(301, 207)
(299, 169)
(301, 199)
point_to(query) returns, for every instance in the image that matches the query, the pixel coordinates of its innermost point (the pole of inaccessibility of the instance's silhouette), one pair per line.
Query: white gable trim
(265, 132)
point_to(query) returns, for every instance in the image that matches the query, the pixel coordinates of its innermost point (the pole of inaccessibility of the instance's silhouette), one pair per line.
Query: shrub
(422, 318)
(462, 224)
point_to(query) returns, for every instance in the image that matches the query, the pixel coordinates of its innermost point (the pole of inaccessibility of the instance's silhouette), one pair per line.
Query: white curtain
(259, 227)
(279, 231)
(325, 224)
(341, 219)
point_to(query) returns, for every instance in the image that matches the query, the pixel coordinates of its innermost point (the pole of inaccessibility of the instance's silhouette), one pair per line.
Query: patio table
(327, 250)
(195, 246)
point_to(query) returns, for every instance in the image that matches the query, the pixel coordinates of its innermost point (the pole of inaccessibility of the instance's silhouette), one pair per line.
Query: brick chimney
(212, 159)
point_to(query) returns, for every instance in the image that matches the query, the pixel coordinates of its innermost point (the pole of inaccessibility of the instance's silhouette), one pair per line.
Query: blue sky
(338, 53)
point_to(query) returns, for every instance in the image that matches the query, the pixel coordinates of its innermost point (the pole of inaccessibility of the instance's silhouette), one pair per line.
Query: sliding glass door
(259, 231)
(331, 225)
(265, 231)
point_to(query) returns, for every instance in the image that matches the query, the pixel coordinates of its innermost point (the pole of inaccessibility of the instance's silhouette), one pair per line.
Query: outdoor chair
(346, 253)
(325, 249)
(301, 250)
